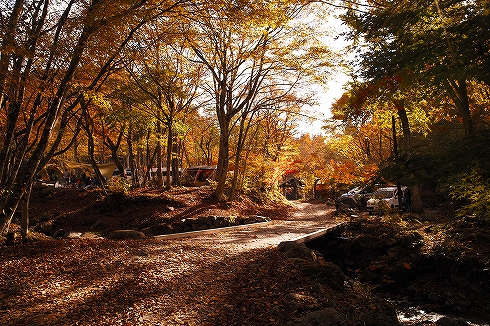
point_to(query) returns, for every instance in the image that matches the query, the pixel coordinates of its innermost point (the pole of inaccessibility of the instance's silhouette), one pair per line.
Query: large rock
(125, 234)
(158, 230)
(201, 220)
(255, 219)
(220, 223)
(300, 302)
(328, 273)
(210, 221)
(44, 227)
(189, 221)
(296, 250)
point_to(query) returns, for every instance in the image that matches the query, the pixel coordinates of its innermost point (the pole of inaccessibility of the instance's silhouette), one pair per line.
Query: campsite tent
(105, 169)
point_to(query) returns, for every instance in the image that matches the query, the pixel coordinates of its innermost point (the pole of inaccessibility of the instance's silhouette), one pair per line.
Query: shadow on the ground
(143, 283)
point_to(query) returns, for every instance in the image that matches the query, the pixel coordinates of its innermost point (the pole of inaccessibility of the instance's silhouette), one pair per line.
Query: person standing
(407, 195)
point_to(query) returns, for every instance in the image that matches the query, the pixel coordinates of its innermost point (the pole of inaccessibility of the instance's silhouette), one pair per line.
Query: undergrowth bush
(119, 185)
(266, 195)
(382, 208)
(472, 191)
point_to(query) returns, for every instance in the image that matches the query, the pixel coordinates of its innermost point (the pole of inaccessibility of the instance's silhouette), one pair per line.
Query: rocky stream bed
(432, 275)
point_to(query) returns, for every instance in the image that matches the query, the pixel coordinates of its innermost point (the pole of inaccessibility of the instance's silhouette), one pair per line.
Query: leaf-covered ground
(210, 280)
(227, 278)
(93, 282)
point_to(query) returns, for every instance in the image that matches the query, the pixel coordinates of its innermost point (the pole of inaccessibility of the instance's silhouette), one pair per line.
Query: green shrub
(472, 192)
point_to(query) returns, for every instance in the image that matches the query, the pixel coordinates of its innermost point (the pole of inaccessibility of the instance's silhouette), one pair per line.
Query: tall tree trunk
(91, 154)
(149, 159)
(134, 174)
(223, 162)
(458, 92)
(402, 114)
(168, 163)
(238, 153)
(75, 151)
(416, 197)
(395, 150)
(159, 155)
(114, 147)
(25, 215)
(8, 43)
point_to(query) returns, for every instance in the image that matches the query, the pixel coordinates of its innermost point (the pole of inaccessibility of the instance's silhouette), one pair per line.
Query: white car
(351, 193)
(127, 173)
(389, 195)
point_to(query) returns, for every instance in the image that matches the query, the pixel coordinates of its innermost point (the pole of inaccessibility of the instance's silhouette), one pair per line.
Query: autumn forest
(174, 84)
(106, 108)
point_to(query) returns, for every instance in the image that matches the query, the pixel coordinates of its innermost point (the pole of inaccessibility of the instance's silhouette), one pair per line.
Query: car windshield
(384, 193)
(351, 192)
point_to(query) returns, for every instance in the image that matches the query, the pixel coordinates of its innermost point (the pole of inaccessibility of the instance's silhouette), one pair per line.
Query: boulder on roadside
(89, 235)
(45, 227)
(255, 219)
(125, 234)
(296, 250)
(158, 230)
(328, 274)
(210, 221)
(300, 302)
(189, 221)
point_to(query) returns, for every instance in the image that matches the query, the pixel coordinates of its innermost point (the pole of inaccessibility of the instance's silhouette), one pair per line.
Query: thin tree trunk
(8, 42)
(25, 215)
(416, 202)
(176, 163)
(242, 135)
(91, 155)
(236, 170)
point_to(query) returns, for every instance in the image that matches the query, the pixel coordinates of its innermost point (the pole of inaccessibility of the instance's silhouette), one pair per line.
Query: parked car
(354, 198)
(356, 193)
(387, 195)
(128, 174)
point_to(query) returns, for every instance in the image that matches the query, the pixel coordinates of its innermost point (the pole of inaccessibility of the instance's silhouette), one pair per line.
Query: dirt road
(307, 218)
(228, 278)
